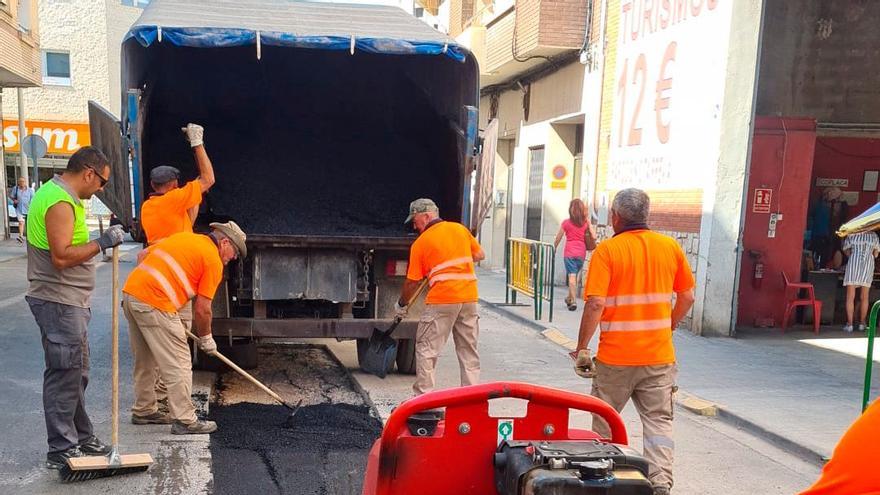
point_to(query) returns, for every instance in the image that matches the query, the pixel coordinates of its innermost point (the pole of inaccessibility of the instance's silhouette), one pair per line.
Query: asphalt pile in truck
(322, 451)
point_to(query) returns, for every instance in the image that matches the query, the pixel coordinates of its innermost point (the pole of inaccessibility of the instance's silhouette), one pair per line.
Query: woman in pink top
(579, 238)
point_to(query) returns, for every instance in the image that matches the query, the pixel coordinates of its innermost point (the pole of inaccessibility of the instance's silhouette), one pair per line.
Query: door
(484, 187)
(535, 204)
(106, 134)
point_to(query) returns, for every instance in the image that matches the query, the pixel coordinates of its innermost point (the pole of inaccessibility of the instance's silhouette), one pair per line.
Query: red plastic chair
(790, 304)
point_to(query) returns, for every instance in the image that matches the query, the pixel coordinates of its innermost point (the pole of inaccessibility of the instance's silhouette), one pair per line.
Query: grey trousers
(64, 331)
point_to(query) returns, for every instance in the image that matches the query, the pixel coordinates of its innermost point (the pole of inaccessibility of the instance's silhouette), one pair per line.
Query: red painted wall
(782, 160)
(847, 158)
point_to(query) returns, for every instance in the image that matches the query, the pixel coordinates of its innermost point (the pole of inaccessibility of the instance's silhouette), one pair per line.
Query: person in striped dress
(861, 248)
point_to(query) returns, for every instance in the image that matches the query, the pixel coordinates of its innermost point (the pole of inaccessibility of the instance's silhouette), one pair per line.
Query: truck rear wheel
(406, 356)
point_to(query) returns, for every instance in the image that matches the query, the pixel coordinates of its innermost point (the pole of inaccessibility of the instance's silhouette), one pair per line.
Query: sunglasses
(101, 178)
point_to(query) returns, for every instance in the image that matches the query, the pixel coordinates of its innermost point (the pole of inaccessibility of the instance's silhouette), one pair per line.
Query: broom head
(92, 467)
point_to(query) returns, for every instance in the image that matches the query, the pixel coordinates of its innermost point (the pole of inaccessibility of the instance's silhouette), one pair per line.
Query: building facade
(80, 58)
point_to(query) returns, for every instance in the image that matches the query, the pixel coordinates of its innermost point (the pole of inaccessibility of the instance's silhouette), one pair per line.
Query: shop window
(56, 68)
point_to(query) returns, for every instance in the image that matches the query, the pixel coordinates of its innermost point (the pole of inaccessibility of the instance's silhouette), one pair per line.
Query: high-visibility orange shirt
(852, 469)
(444, 253)
(166, 214)
(175, 270)
(637, 273)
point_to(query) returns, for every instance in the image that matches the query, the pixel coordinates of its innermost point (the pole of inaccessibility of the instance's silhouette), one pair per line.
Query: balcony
(19, 46)
(510, 39)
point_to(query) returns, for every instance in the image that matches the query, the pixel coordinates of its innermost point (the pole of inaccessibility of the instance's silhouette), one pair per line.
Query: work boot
(163, 406)
(57, 460)
(94, 446)
(157, 418)
(661, 490)
(200, 427)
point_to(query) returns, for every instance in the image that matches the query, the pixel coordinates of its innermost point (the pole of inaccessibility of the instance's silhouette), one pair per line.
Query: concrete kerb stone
(684, 399)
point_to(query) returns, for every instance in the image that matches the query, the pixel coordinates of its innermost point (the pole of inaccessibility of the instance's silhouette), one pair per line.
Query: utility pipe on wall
(22, 161)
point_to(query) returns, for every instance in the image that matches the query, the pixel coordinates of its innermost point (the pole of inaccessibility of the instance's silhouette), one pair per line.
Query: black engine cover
(570, 468)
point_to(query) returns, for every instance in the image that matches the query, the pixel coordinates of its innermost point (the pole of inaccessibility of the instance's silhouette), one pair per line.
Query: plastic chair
(790, 304)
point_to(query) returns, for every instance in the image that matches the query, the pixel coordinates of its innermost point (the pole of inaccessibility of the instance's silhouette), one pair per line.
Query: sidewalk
(797, 390)
(12, 249)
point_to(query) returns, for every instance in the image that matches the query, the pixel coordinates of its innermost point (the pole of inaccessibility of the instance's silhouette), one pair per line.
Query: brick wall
(563, 23)
(498, 36)
(612, 26)
(528, 19)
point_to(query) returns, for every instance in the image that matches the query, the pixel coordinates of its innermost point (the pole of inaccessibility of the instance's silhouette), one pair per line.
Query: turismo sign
(63, 138)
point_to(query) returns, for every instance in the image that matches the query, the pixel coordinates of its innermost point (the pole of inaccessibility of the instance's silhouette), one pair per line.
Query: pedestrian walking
(176, 269)
(444, 253)
(61, 273)
(631, 281)
(861, 248)
(171, 208)
(580, 237)
(21, 196)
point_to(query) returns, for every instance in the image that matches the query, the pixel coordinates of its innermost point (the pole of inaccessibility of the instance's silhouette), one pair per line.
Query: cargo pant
(186, 317)
(435, 325)
(64, 333)
(159, 345)
(651, 390)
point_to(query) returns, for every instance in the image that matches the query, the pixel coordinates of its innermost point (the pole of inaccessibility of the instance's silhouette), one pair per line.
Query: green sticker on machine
(505, 430)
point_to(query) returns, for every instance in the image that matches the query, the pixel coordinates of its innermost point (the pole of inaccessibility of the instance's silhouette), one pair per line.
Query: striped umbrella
(868, 220)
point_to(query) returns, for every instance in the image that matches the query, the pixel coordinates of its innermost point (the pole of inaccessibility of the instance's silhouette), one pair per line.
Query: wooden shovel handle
(114, 327)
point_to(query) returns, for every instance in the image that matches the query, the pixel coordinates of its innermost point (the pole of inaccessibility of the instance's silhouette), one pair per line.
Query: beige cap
(421, 205)
(231, 230)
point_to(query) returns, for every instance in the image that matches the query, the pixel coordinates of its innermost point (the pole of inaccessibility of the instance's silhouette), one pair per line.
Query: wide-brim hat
(231, 230)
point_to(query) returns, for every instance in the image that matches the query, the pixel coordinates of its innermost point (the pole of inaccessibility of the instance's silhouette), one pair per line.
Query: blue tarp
(315, 25)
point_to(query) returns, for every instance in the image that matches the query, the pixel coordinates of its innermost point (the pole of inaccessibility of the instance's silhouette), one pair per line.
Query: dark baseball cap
(163, 174)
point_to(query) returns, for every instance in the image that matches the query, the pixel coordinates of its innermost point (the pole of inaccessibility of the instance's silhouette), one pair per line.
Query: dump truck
(323, 121)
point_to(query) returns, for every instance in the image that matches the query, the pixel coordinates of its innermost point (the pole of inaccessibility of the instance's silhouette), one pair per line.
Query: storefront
(815, 157)
(62, 138)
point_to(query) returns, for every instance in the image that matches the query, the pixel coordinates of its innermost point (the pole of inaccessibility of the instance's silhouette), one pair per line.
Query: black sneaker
(57, 460)
(94, 446)
(157, 418)
(200, 427)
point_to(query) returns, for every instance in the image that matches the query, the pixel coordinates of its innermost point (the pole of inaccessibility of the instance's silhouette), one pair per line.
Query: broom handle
(240, 371)
(114, 323)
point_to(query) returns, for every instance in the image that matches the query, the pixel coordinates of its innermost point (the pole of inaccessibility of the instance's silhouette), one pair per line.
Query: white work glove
(400, 311)
(583, 363)
(194, 134)
(207, 344)
(111, 237)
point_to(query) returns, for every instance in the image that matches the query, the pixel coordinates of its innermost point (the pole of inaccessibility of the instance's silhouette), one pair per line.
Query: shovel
(382, 348)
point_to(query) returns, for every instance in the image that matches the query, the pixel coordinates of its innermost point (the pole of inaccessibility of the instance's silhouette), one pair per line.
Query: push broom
(91, 467)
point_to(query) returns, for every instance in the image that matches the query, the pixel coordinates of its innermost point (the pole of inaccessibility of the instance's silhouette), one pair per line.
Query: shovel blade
(380, 354)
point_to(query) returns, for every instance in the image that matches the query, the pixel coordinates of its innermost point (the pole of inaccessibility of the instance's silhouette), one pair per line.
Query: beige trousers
(651, 390)
(185, 318)
(435, 325)
(158, 343)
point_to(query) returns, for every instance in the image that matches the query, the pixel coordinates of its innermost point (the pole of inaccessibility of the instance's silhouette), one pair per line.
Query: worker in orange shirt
(445, 253)
(628, 295)
(176, 269)
(852, 469)
(171, 209)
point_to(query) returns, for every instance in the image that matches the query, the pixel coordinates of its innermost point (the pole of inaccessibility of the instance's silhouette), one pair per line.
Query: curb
(690, 402)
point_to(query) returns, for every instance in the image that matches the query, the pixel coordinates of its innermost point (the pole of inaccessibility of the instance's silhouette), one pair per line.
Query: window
(134, 3)
(24, 15)
(56, 68)
(419, 12)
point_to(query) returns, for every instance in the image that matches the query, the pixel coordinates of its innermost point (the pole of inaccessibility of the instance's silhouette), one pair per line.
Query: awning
(316, 25)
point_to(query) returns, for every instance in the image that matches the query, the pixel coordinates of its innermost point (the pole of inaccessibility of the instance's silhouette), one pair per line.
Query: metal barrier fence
(530, 267)
(869, 363)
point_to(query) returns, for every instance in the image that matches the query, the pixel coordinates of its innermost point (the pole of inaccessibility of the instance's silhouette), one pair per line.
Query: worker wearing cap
(175, 270)
(852, 469)
(61, 272)
(171, 209)
(444, 253)
(630, 284)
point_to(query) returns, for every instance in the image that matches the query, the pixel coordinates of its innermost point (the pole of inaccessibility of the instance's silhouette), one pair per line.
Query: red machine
(470, 452)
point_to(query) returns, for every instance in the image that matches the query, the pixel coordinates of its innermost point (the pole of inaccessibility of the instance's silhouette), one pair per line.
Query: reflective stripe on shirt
(178, 272)
(451, 276)
(635, 326)
(163, 283)
(631, 299)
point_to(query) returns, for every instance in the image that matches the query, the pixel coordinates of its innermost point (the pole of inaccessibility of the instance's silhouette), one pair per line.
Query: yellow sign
(558, 184)
(63, 138)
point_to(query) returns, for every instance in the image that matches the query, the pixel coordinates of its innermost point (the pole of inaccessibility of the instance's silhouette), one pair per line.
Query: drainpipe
(5, 221)
(22, 161)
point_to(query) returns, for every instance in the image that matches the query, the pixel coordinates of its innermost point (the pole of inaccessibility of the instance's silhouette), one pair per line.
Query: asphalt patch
(323, 451)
